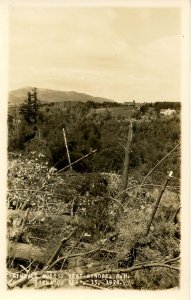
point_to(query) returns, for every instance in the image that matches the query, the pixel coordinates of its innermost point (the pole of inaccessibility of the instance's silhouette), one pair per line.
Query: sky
(121, 53)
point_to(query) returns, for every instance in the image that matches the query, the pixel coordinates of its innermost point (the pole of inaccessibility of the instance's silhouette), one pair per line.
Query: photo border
(183, 292)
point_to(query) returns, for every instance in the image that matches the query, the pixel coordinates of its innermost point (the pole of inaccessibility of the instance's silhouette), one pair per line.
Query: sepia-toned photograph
(94, 148)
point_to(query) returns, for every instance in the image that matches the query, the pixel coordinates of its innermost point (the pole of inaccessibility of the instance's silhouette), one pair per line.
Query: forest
(93, 200)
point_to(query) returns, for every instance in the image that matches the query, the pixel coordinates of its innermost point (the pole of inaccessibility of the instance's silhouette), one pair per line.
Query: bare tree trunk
(155, 207)
(126, 161)
(66, 145)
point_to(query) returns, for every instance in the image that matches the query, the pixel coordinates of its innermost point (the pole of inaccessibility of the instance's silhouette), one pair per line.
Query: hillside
(47, 95)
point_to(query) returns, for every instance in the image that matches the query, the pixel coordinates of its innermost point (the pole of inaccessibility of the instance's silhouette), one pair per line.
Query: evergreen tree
(30, 108)
(35, 105)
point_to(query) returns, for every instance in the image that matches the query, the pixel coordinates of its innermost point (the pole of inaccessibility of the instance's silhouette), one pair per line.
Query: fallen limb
(65, 257)
(19, 282)
(58, 249)
(156, 204)
(80, 254)
(76, 161)
(135, 268)
(40, 215)
(38, 254)
(172, 260)
(70, 252)
(17, 228)
(20, 213)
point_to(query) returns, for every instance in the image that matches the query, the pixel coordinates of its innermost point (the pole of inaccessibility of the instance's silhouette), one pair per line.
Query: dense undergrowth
(78, 221)
(115, 242)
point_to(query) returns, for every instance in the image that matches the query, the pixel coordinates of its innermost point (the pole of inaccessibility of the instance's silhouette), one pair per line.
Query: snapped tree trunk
(126, 161)
(155, 207)
(67, 150)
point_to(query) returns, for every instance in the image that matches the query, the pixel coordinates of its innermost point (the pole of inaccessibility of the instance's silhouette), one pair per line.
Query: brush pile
(65, 230)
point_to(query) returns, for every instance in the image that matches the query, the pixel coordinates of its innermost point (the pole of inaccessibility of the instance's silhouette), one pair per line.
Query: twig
(22, 267)
(113, 263)
(129, 188)
(37, 238)
(81, 254)
(159, 261)
(73, 255)
(117, 202)
(172, 260)
(108, 251)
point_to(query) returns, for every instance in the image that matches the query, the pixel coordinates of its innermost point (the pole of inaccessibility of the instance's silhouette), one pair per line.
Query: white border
(183, 292)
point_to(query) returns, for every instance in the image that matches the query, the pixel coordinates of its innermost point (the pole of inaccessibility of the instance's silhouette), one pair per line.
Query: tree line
(40, 127)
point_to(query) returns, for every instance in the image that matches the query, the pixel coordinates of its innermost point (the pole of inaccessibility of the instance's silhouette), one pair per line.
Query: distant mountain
(48, 95)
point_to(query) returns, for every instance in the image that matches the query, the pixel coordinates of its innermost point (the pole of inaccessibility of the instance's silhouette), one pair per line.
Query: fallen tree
(39, 254)
(40, 216)
(27, 252)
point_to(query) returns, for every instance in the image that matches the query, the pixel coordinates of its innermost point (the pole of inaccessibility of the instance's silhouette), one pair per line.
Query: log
(12, 214)
(27, 252)
(19, 282)
(40, 254)
(40, 216)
